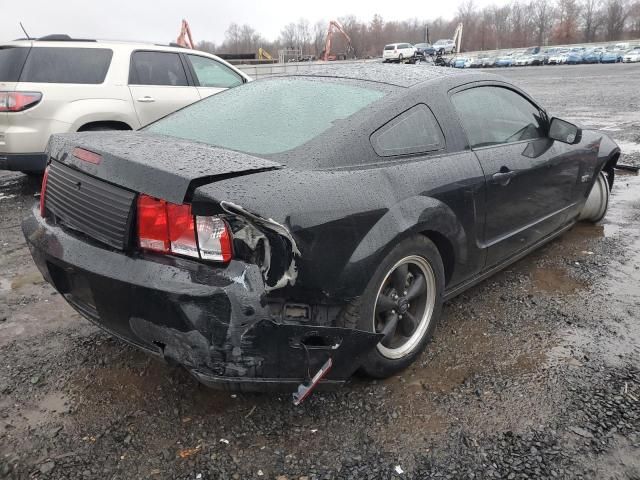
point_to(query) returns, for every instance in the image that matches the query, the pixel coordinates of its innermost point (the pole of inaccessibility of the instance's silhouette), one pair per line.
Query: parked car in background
(425, 49)
(559, 57)
(57, 84)
(574, 57)
(398, 52)
(228, 239)
(632, 56)
(523, 59)
(540, 58)
(612, 56)
(461, 62)
(476, 62)
(445, 46)
(592, 56)
(489, 62)
(505, 60)
(532, 51)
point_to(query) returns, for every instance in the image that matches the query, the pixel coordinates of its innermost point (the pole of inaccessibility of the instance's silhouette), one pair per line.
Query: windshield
(267, 117)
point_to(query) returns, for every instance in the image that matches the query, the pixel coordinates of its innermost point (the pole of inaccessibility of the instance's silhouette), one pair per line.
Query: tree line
(515, 25)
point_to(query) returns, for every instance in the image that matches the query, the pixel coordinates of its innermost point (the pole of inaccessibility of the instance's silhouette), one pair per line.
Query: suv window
(390, 47)
(414, 131)
(497, 115)
(11, 62)
(213, 74)
(157, 68)
(66, 65)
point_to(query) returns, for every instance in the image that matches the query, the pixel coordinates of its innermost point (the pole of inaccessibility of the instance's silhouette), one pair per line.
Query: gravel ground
(535, 373)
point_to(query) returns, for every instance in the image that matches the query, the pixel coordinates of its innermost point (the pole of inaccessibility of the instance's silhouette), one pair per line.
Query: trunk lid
(164, 167)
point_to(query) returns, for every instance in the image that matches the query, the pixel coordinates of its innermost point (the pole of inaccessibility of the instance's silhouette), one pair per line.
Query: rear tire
(403, 298)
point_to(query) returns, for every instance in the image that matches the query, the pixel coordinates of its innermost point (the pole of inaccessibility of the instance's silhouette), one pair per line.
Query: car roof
(90, 43)
(407, 76)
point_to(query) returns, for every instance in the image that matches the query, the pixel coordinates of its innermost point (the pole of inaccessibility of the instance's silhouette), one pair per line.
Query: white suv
(56, 85)
(445, 46)
(398, 52)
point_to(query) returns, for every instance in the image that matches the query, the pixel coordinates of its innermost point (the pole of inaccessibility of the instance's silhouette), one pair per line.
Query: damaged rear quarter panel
(343, 221)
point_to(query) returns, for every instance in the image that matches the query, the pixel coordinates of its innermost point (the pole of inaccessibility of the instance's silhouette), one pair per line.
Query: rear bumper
(211, 320)
(25, 162)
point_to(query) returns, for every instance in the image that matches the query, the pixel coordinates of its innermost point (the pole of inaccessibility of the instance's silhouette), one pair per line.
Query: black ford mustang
(298, 228)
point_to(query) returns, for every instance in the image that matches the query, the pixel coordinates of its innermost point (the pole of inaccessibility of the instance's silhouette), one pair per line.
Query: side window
(214, 74)
(414, 131)
(66, 65)
(497, 115)
(157, 68)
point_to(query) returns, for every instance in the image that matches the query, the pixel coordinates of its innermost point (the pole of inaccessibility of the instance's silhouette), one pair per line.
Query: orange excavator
(335, 27)
(184, 39)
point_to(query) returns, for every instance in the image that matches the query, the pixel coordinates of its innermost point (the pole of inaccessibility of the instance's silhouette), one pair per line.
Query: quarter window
(157, 68)
(497, 115)
(214, 74)
(414, 131)
(11, 62)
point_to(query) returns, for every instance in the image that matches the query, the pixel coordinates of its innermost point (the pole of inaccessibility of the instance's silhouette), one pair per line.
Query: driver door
(529, 182)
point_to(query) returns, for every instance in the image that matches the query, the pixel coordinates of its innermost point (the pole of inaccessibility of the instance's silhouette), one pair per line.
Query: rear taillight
(18, 101)
(43, 190)
(169, 228)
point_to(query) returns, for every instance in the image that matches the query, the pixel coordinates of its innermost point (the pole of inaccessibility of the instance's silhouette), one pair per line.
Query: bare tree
(303, 31)
(500, 20)
(319, 36)
(518, 24)
(615, 16)
(288, 36)
(542, 16)
(566, 30)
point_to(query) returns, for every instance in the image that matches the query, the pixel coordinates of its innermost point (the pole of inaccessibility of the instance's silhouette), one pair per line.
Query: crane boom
(334, 26)
(457, 38)
(184, 39)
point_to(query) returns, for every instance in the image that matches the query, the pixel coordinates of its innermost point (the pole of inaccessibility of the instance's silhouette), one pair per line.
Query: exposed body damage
(308, 228)
(254, 236)
(215, 325)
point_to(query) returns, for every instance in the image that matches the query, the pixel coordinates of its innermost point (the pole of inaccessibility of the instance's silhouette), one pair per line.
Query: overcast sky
(159, 20)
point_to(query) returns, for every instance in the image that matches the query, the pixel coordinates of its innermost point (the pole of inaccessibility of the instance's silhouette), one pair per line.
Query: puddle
(612, 332)
(554, 280)
(628, 147)
(31, 278)
(55, 403)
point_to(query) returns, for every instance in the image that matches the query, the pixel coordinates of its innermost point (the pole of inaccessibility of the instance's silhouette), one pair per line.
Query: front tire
(597, 204)
(403, 300)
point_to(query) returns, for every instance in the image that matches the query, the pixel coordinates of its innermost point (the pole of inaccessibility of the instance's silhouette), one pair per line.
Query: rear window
(67, 65)
(268, 117)
(390, 47)
(11, 62)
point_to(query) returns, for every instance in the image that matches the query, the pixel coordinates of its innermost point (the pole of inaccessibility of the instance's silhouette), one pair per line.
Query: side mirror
(564, 131)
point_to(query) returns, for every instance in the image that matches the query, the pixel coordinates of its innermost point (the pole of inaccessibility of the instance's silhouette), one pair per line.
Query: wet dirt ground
(535, 373)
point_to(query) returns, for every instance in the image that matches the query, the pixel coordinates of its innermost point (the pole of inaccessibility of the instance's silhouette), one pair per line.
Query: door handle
(146, 99)
(503, 177)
